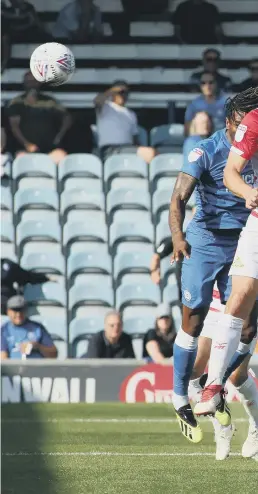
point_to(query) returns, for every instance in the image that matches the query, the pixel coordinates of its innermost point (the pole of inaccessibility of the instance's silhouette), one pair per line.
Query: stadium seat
(6, 204)
(80, 199)
(87, 215)
(130, 232)
(82, 295)
(130, 183)
(79, 165)
(162, 232)
(165, 135)
(166, 183)
(81, 330)
(130, 262)
(33, 165)
(135, 246)
(165, 165)
(137, 294)
(160, 202)
(135, 199)
(37, 231)
(80, 231)
(142, 136)
(167, 271)
(8, 251)
(37, 182)
(99, 279)
(7, 232)
(131, 216)
(170, 294)
(51, 297)
(123, 165)
(42, 199)
(138, 326)
(93, 185)
(88, 262)
(47, 262)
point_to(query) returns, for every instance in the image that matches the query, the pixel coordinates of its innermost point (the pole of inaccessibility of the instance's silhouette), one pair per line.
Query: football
(52, 63)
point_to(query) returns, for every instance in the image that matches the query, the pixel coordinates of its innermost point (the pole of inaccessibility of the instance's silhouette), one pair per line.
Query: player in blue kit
(208, 251)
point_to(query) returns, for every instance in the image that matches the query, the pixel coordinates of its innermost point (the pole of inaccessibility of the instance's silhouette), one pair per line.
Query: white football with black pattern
(52, 63)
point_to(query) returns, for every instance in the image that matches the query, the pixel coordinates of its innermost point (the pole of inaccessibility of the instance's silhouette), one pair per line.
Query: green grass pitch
(116, 449)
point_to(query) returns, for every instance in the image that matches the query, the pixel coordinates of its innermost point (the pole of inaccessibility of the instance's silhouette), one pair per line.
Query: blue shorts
(211, 257)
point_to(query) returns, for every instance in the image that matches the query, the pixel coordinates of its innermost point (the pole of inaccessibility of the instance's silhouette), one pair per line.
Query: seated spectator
(211, 60)
(38, 123)
(22, 338)
(251, 81)
(200, 128)
(197, 22)
(112, 342)
(14, 278)
(117, 127)
(79, 20)
(158, 342)
(211, 101)
(23, 22)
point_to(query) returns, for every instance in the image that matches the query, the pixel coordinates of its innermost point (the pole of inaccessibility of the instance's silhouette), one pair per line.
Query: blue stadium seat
(135, 199)
(79, 165)
(123, 165)
(160, 202)
(170, 294)
(47, 262)
(8, 251)
(137, 294)
(80, 231)
(37, 231)
(132, 246)
(166, 183)
(165, 135)
(130, 183)
(82, 329)
(138, 326)
(82, 295)
(80, 199)
(93, 185)
(130, 232)
(88, 262)
(165, 165)
(99, 279)
(7, 232)
(41, 199)
(45, 294)
(37, 183)
(6, 205)
(130, 262)
(162, 232)
(33, 165)
(87, 216)
(131, 216)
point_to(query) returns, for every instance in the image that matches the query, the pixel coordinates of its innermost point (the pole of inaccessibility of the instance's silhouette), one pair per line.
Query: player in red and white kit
(244, 269)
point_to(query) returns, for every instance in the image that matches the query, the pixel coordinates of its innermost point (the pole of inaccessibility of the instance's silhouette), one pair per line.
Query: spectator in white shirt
(117, 127)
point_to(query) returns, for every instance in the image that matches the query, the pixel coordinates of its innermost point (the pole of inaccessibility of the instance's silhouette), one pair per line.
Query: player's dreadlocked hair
(242, 103)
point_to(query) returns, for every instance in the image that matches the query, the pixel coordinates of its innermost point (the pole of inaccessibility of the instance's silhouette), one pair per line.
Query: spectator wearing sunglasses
(158, 342)
(253, 80)
(211, 61)
(212, 101)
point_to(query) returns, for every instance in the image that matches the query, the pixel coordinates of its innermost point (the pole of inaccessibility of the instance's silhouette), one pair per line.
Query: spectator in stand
(23, 22)
(201, 127)
(253, 80)
(79, 20)
(158, 342)
(211, 61)
(117, 127)
(14, 278)
(5, 42)
(22, 338)
(38, 123)
(197, 22)
(112, 342)
(212, 101)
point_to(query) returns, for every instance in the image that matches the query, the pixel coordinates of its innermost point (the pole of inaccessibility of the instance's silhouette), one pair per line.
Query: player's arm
(234, 182)
(182, 192)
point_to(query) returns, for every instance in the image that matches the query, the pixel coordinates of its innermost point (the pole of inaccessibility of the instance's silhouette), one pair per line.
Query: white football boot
(250, 446)
(223, 437)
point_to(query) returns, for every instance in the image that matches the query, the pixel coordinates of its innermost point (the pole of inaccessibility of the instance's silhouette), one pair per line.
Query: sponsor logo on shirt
(187, 295)
(241, 130)
(195, 154)
(238, 263)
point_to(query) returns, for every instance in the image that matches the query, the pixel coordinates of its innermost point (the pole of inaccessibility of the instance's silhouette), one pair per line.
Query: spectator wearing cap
(113, 342)
(22, 338)
(14, 278)
(117, 125)
(212, 101)
(211, 61)
(251, 81)
(158, 342)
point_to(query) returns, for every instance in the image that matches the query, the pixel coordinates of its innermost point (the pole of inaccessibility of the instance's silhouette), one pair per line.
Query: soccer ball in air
(52, 63)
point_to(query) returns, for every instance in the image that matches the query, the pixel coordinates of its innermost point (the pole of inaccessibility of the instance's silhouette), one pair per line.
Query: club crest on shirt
(195, 154)
(241, 130)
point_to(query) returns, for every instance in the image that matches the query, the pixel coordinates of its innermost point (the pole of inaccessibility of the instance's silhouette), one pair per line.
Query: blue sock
(184, 352)
(237, 359)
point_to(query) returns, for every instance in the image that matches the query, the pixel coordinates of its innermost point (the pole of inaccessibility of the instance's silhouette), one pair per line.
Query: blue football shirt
(12, 336)
(216, 109)
(216, 206)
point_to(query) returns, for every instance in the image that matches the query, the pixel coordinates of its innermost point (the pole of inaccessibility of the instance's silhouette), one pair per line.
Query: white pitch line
(109, 453)
(105, 421)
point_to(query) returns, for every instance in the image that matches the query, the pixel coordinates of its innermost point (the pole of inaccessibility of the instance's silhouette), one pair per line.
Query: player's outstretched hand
(181, 249)
(251, 201)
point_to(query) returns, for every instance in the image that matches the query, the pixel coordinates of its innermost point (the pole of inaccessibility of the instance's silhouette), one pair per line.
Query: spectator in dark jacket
(211, 62)
(112, 342)
(253, 80)
(14, 278)
(158, 342)
(24, 24)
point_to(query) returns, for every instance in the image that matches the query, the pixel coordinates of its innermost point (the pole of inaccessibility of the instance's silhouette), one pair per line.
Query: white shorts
(246, 257)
